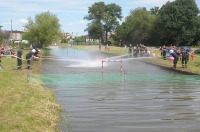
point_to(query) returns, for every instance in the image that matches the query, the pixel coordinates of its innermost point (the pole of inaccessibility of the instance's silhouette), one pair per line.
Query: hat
(171, 51)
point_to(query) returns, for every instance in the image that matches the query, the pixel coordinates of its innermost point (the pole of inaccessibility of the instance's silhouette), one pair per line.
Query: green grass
(25, 106)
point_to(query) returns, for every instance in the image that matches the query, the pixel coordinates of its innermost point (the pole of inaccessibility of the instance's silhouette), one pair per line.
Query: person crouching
(174, 54)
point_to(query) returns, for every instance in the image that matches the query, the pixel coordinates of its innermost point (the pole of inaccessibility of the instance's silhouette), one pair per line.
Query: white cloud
(69, 12)
(82, 22)
(79, 23)
(23, 21)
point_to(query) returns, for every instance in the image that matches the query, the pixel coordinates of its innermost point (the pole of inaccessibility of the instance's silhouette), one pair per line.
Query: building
(16, 35)
(13, 36)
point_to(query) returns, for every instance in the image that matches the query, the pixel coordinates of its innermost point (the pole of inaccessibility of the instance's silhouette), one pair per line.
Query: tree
(137, 27)
(140, 23)
(96, 14)
(44, 30)
(154, 11)
(4, 36)
(104, 19)
(121, 34)
(112, 15)
(197, 36)
(177, 21)
(95, 30)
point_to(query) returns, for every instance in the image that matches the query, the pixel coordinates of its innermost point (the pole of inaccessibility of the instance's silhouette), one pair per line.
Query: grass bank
(24, 106)
(193, 66)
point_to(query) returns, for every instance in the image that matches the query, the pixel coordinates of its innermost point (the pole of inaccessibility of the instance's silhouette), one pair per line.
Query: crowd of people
(177, 54)
(139, 50)
(32, 55)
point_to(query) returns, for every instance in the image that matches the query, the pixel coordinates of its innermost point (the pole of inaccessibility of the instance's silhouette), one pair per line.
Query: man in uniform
(19, 58)
(28, 58)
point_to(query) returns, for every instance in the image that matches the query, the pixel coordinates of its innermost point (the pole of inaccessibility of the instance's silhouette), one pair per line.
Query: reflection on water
(145, 99)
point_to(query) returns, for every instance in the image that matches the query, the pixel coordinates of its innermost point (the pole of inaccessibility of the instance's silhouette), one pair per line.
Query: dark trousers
(184, 60)
(164, 54)
(28, 62)
(19, 62)
(175, 61)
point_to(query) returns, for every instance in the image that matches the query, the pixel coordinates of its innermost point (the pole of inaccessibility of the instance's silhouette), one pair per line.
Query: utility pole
(11, 25)
(11, 35)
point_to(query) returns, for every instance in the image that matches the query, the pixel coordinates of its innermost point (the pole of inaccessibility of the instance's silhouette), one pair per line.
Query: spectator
(130, 50)
(174, 54)
(164, 51)
(184, 57)
(1, 54)
(19, 58)
(192, 56)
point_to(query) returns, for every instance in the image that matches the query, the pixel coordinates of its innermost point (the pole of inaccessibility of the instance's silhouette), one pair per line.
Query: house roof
(13, 31)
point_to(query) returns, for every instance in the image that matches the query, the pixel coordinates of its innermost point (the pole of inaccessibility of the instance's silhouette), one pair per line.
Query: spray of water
(116, 57)
(93, 63)
(138, 58)
(87, 64)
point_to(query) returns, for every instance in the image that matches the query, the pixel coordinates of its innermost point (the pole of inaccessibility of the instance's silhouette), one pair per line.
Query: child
(192, 56)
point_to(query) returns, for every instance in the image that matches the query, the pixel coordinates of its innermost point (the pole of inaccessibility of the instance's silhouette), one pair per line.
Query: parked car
(186, 47)
(197, 51)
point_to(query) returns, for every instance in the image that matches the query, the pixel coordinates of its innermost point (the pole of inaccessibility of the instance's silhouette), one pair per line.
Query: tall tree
(43, 30)
(121, 34)
(136, 28)
(140, 23)
(177, 20)
(197, 36)
(94, 30)
(111, 18)
(96, 15)
(154, 11)
(104, 16)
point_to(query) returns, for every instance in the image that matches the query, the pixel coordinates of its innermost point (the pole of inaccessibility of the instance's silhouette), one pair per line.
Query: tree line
(175, 23)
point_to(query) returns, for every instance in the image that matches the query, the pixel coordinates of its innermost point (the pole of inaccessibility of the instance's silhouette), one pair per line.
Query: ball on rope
(171, 58)
(154, 55)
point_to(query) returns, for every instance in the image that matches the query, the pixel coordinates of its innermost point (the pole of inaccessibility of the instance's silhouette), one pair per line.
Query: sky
(69, 12)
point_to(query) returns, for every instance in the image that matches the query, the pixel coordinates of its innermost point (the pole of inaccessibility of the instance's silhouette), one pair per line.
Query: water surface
(143, 98)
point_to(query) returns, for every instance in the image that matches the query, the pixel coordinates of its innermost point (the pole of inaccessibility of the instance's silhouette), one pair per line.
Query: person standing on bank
(28, 58)
(1, 55)
(130, 50)
(19, 58)
(174, 54)
(184, 56)
(164, 51)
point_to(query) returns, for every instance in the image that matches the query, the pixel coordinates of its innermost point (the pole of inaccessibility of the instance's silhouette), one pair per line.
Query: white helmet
(33, 50)
(171, 51)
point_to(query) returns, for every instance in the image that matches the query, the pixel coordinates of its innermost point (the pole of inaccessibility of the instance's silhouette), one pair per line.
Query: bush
(64, 41)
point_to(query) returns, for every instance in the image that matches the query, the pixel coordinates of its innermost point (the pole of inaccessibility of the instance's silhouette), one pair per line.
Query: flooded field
(142, 98)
